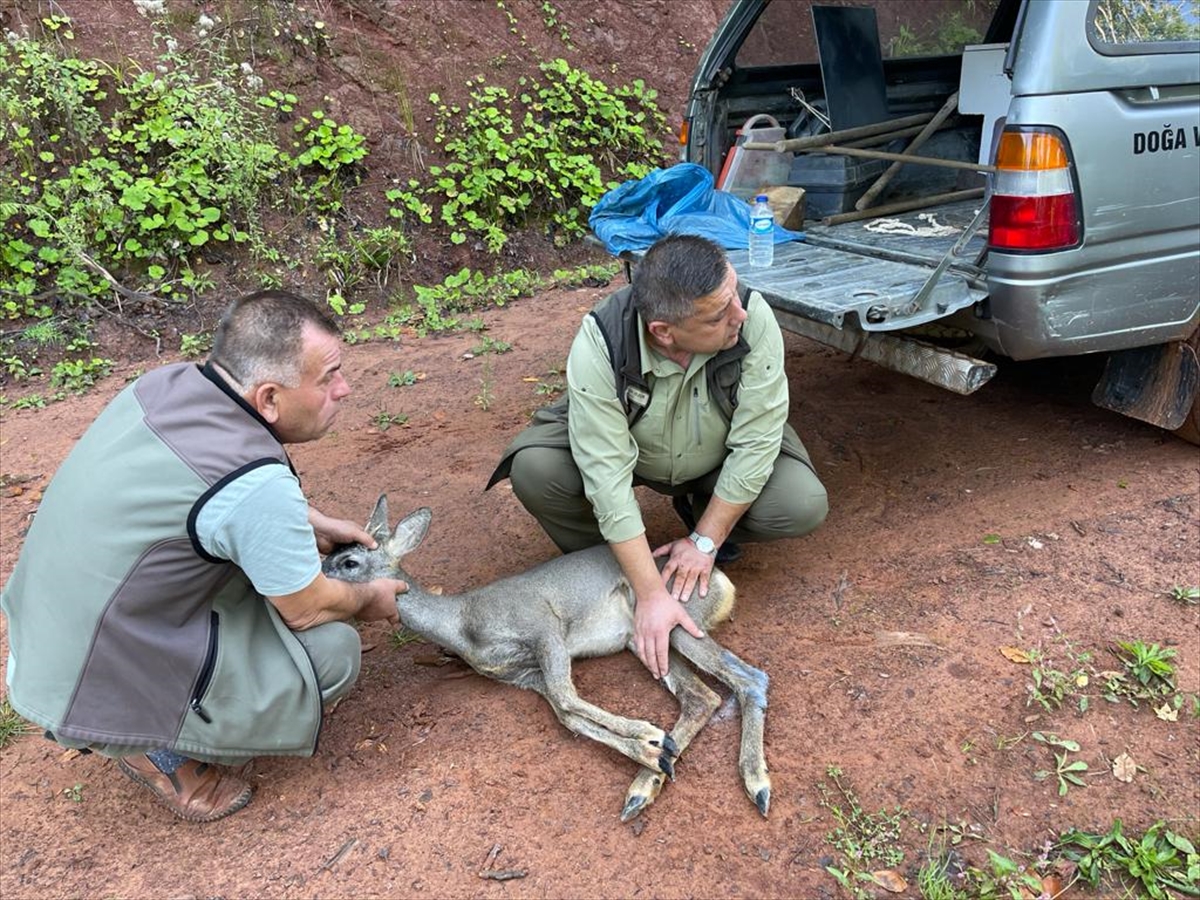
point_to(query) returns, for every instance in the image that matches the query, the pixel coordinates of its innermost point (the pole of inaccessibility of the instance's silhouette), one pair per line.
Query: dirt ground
(881, 633)
(1019, 517)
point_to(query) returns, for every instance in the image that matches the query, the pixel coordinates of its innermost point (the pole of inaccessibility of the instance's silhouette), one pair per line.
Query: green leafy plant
(193, 346)
(12, 725)
(1003, 878)
(487, 384)
(865, 841)
(77, 375)
(30, 401)
(464, 291)
(544, 154)
(327, 158)
(550, 14)
(1150, 674)
(936, 879)
(1188, 596)
(74, 793)
(402, 379)
(383, 420)
(490, 345)
(402, 637)
(18, 369)
(1160, 862)
(595, 275)
(1067, 771)
(117, 176)
(1051, 687)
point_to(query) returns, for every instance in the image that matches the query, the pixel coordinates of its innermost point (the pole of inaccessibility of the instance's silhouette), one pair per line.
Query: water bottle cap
(761, 198)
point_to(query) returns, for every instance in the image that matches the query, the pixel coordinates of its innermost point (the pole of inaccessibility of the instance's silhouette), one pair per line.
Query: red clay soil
(881, 633)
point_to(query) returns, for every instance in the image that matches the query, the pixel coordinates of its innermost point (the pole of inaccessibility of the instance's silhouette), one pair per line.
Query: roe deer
(526, 629)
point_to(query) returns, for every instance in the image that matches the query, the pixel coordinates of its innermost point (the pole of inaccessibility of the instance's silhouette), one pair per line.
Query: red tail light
(1034, 205)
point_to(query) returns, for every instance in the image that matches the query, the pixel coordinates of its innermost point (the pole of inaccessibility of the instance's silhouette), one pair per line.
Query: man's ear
(661, 332)
(265, 399)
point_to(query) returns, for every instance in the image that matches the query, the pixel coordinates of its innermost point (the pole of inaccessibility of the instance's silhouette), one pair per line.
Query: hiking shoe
(196, 791)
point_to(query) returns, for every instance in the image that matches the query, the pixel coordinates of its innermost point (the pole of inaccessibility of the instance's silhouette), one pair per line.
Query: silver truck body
(1126, 112)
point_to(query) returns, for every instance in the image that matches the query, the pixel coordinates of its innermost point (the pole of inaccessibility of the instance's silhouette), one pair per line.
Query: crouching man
(168, 606)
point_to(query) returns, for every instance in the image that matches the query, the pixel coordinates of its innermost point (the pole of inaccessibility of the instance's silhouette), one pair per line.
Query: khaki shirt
(682, 435)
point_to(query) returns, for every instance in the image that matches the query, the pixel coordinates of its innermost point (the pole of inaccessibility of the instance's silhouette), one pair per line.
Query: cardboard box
(787, 203)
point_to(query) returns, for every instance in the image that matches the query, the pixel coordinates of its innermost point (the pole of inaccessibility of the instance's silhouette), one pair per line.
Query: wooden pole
(903, 206)
(881, 182)
(882, 154)
(889, 136)
(846, 134)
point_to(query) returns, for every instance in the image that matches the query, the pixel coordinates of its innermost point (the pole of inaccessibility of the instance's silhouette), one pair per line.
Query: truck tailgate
(848, 285)
(873, 270)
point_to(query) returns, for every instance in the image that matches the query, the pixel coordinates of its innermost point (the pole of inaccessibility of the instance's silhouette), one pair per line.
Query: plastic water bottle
(762, 233)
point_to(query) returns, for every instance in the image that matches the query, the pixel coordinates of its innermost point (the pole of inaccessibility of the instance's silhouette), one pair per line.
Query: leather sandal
(195, 792)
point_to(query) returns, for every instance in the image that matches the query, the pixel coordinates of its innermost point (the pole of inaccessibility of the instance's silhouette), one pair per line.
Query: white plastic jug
(747, 172)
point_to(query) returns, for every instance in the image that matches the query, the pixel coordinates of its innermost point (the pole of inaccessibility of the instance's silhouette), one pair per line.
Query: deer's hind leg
(697, 703)
(749, 685)
(644, 743)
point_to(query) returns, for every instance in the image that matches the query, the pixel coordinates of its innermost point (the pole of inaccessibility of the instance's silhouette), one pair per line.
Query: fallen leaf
(68, 755)
(1167, 714)
(1124, 768)
(1052, 885)
(1015, 654)
(890, 881)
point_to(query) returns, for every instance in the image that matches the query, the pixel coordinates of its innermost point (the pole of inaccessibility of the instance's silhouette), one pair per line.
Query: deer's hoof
(633, 806)
(665, 765)
(669, 745)
(763, 801)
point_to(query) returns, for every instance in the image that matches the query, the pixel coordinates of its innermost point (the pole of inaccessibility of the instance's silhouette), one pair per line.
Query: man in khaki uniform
(676, 383)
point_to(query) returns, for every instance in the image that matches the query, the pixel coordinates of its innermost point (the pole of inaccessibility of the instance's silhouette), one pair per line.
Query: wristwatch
(703, 543)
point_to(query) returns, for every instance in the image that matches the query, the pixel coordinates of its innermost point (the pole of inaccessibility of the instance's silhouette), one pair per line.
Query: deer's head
(354, 562)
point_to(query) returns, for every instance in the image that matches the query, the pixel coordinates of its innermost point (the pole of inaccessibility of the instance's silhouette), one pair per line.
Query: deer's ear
(410, 531)
(377, 525)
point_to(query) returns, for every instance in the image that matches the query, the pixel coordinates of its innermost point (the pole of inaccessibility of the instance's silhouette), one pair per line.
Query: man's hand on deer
(653, 618)
(332, 532)
(690, 567)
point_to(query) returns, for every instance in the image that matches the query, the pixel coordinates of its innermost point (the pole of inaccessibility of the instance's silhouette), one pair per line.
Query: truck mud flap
(1152, 384)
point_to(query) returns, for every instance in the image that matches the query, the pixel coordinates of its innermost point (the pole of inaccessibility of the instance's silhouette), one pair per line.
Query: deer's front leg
(644, 743)
(697, 703)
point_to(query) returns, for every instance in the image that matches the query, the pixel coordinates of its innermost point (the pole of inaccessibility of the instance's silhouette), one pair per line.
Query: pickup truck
(1048, 203)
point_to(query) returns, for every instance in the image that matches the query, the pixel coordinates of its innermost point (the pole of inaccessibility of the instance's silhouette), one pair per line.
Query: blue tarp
(677, 200)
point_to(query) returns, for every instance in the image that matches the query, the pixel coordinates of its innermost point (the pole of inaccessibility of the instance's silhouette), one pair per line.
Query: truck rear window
(783, 34)
(1144, 26)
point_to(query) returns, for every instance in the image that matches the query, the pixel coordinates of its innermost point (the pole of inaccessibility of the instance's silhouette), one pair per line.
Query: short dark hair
(677, 271)
(261, 336)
